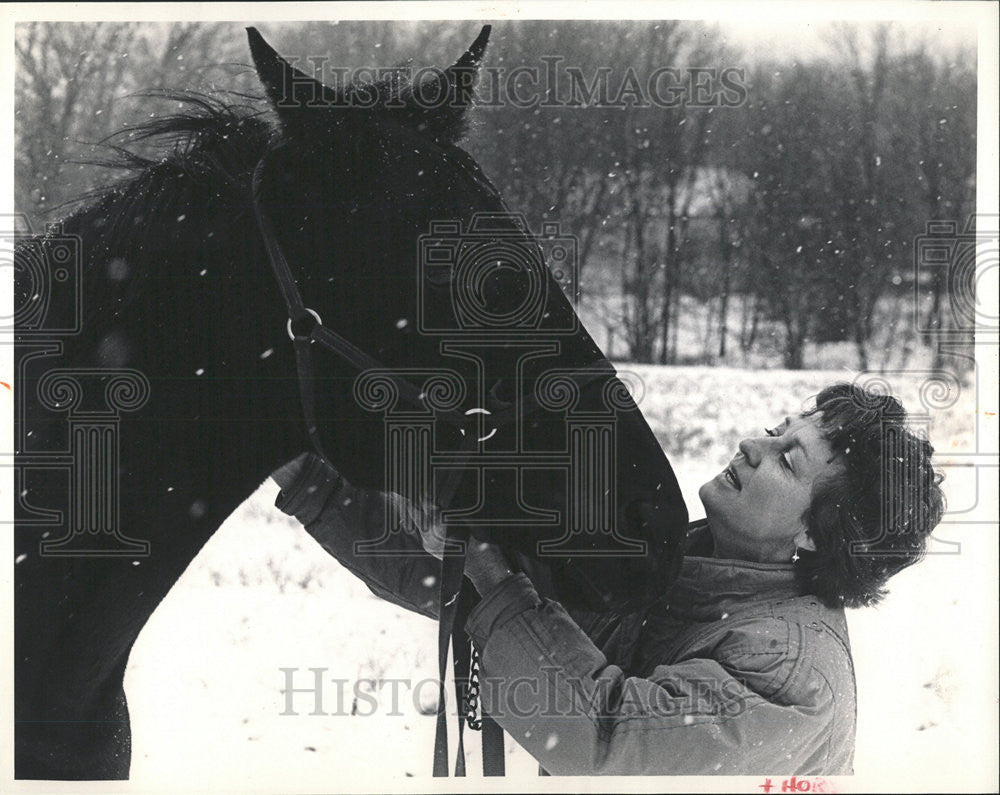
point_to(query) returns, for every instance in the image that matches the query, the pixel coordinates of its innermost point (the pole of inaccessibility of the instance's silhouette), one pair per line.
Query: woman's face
(755, 505)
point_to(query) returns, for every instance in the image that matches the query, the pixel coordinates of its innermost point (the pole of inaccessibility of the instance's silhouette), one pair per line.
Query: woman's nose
(751, 451)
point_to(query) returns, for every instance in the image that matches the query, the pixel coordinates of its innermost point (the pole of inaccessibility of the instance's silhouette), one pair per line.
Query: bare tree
(67, 76)
(70, 83)
(937, 98)
(728, 199)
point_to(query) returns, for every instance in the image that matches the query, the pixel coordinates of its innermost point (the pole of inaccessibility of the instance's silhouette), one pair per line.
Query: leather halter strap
(298, 313)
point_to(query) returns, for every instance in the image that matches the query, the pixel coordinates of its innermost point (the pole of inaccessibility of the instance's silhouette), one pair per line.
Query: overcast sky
(767, 37)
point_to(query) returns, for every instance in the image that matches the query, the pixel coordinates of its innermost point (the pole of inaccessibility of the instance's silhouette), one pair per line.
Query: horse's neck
(183, 272)
(187, 299)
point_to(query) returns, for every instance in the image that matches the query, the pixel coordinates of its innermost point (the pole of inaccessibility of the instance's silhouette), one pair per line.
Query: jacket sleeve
(547, 685)
(344, 518)
(371, 533)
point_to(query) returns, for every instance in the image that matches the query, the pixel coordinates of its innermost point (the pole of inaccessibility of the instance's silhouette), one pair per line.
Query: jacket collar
(709, 588)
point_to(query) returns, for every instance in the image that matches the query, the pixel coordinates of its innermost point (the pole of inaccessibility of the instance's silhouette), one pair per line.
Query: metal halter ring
(291, 334)
(479, 411)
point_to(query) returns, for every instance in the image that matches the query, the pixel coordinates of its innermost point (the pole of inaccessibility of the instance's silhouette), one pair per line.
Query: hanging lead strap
(307, 392)
(450, 594)
(477, 720)
(452, 573)
(469, 692)
(461, 653)
(474, 717)
(493, 758)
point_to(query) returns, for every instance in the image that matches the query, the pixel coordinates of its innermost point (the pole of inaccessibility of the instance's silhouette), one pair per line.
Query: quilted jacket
(730, 671)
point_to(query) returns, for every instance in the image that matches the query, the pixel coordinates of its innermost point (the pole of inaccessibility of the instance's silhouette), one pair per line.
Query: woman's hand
(431, 529)
(485, 564)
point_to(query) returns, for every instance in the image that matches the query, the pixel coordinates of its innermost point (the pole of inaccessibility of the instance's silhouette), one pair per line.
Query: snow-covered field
(205, 680)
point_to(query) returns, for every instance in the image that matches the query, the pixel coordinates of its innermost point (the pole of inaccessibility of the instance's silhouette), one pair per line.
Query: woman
(743, 665)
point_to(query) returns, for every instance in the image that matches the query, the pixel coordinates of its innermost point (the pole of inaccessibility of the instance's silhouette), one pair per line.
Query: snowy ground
(205, 682)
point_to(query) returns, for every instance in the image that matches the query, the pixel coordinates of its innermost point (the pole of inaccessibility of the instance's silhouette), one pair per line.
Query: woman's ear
(803, 541)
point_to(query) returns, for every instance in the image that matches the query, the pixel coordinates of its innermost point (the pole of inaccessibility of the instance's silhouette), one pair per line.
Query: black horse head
(382, 212)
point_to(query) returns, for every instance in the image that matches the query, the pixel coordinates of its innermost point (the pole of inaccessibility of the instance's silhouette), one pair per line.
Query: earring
(795, 557)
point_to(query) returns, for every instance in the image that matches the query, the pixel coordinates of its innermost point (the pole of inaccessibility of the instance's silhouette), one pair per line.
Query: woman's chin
(716, 492)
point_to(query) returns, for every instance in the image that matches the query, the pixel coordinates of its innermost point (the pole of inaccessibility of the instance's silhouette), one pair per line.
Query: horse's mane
(183, 196)
(185, 187)
(217, 140)
(207, 149)
(204, 124)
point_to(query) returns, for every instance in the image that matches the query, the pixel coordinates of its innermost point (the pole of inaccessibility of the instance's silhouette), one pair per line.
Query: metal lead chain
(472, 714)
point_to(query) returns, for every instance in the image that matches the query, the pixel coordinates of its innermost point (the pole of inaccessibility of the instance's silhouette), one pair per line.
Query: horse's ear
(289, 89)
(450, 93)
(462, 74)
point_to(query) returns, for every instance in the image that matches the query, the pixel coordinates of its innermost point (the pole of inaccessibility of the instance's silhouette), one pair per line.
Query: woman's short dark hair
(873, 518)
